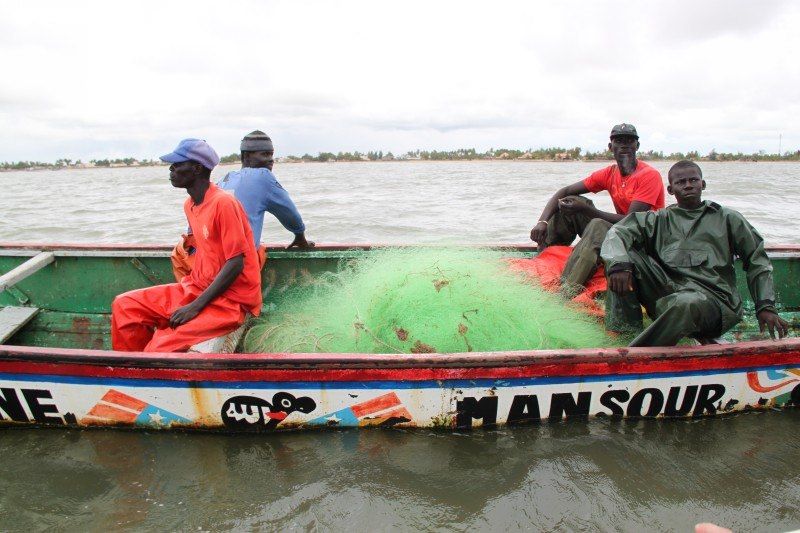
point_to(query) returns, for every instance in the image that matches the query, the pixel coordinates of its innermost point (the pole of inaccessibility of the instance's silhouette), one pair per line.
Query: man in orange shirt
(633, 185)
(225, 283)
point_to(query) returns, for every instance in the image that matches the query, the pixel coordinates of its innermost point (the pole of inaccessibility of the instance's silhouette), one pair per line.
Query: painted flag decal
(776, 379)
(385, 410)
(117, 407)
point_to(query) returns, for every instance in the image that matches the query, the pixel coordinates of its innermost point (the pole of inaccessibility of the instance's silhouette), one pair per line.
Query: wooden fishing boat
(56, 367)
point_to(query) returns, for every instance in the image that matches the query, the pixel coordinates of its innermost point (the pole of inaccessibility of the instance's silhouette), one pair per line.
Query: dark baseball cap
(623, 129)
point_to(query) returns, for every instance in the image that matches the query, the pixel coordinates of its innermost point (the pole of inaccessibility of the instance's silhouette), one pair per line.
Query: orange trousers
(183, 262)
(140, 320)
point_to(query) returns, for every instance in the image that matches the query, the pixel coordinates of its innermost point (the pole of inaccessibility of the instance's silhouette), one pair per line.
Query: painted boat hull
(280, 392)
(52, 386)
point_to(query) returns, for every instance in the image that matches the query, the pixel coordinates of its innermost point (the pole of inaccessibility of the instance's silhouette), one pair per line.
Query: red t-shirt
(221, 230)
(644, 185)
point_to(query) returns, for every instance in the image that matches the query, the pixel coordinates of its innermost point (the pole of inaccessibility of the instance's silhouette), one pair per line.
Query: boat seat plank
(29, 267)
(14, 318)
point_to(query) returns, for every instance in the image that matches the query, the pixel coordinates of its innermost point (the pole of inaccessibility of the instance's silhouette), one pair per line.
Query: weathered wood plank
(13, 318)
(24, 270)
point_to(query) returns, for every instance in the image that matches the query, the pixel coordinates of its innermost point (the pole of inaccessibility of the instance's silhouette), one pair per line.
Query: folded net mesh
(422, 301)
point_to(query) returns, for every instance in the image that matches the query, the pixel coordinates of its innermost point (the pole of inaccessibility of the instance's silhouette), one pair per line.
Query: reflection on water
(609, 475)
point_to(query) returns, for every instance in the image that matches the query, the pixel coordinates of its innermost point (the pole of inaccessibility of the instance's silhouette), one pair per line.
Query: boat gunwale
(320, 247)
(676, 355)
(49, 246)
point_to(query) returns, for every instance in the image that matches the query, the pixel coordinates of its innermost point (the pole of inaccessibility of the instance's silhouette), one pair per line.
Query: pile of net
(422, 301)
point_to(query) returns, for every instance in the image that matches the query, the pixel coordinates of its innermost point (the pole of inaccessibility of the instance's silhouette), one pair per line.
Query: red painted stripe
(570, 368)
(113, 396)
(376, 404)
(112, 413)
(280, 415)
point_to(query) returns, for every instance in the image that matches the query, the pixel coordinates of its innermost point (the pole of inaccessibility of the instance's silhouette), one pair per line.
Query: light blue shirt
(258, 190)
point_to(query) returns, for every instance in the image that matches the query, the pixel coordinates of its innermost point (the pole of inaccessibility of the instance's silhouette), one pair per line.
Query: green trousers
(677, 311)
(582, 263)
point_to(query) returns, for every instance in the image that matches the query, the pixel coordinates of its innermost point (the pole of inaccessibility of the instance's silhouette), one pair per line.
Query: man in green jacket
(679, 264)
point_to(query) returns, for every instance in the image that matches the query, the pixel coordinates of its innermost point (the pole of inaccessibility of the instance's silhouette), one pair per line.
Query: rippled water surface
(740, 471)
(412, 202)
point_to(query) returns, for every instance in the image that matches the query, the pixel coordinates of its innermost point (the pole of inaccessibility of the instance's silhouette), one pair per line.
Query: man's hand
(184, 314)
(539, 233)
(771, 320)
(570, 207)
(301, 242)
(621, 281)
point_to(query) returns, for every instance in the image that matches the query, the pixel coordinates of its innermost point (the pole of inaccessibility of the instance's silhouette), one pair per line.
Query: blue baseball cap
(193, 150)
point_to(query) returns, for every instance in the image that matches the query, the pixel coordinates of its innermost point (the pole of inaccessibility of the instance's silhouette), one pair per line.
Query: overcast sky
(111, 79)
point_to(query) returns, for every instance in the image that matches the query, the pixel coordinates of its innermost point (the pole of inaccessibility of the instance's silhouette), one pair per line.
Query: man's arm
(647, 191)
(230, 221)
(630, 233)
(539, 231)
(281, 206)
(577, 207)
(559, 203)
(749, 246)
(227, 274)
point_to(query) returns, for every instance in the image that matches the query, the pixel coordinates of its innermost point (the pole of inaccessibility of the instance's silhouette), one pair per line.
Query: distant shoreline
(552, 154)
(302, 162)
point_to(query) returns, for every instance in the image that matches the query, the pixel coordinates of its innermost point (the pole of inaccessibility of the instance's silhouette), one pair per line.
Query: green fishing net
(422, 301)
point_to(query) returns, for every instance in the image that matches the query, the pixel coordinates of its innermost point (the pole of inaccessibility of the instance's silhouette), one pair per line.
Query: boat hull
(58, 371)
(267, 393)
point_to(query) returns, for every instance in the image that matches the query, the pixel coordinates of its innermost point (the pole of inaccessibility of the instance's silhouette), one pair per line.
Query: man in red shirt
(633, 185)
(225, 283)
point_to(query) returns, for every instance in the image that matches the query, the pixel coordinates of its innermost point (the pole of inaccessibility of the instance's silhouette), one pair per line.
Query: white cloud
(100, 79)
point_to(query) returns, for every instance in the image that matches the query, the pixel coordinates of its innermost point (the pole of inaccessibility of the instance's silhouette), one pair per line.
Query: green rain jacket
(696, 248)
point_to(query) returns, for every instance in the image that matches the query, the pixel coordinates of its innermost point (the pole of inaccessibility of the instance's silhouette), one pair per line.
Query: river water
(741, 471)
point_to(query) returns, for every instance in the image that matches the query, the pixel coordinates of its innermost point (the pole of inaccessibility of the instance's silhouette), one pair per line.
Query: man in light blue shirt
(258, 191)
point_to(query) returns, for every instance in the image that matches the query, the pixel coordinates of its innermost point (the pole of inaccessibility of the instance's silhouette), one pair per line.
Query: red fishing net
(547, 267)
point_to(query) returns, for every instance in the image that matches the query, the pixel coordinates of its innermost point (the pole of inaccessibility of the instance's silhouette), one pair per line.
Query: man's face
(259, 159)
(687, 185)
(182, 175)
(623, 146)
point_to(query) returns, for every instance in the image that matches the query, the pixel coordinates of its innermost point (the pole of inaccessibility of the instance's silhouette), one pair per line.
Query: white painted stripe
(120, 407)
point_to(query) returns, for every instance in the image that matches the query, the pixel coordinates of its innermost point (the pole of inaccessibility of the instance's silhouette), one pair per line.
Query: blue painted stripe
(389, 384)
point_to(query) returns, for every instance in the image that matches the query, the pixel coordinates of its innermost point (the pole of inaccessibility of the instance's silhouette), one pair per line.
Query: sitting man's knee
(599, 223)
(692, 303)
(121, 303)
(596, 230)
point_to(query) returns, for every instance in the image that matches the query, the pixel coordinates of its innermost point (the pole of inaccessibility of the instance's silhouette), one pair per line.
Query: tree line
(461, 154)
(77, 163)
